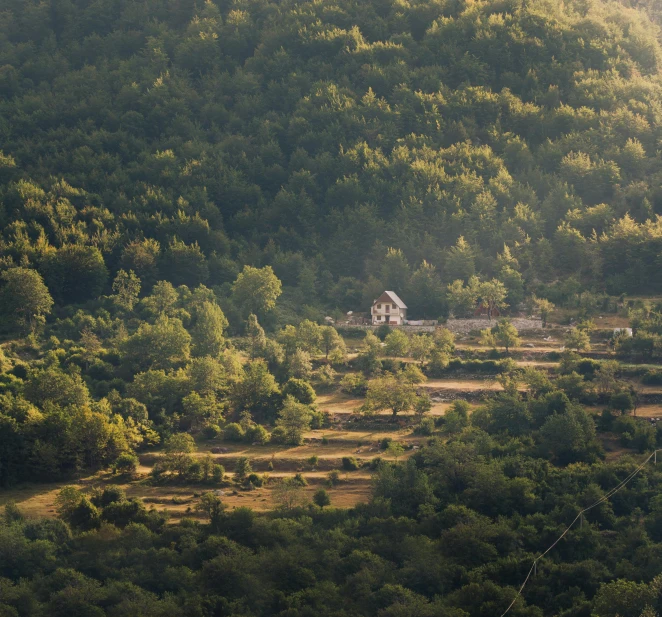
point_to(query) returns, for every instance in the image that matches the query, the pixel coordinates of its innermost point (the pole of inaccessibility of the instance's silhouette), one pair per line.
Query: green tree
(213, 508)
(74, 273)
(288, 494)
(126, 289)
(395, 271)
(544, 307)
(493, 294)
(256, 290)
(428, 292)
(178, 449)
(621, 402)
(420, 347)
(460, 261)
(506, 335)
(294, 419)
(242, 469)
(162, 300)
(321, 498)
(463, 298)
(207, 333)
(390, 392)
(332, 342)
(300, 389)
(24, 298)
(256, 390)
(396, 344)
(161, 345)
(577, 340)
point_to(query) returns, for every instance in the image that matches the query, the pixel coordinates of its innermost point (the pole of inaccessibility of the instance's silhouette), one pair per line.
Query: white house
(388, 309)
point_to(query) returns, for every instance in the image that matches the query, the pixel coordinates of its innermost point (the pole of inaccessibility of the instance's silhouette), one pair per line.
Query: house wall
(394, 314)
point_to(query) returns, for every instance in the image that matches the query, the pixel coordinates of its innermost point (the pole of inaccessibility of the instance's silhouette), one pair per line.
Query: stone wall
(460, 326)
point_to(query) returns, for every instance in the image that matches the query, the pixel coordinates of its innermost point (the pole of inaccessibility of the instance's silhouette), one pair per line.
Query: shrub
(217, 473)
(652, 377)
(300, 389)
(426, 427)
(278, 435)
(211, 431)
(382, 331)
(321, 498)
(392, 366)
(126, 463)
(333, 478)
(255, 479)
(385, 443)
(234, 432)
(109, 495)
(354, 384)
(257, 434)
(299, 480)
(375, 463)
(349, 463)
(319, 419)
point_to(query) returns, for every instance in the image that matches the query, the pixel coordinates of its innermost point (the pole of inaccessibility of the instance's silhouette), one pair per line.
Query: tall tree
(24, 298)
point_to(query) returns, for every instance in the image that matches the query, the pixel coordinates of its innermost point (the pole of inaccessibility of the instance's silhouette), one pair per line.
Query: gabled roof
(390, 296)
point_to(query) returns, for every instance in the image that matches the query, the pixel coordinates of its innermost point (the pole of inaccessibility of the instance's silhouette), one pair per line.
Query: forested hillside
(193, 195)
(183, 140)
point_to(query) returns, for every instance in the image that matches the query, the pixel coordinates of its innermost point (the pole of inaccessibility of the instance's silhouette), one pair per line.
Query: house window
(388, 308)
(394, 307)
(379, 306)
(379, 317)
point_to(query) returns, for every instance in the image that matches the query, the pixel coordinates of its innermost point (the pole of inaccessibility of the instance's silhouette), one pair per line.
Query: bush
(652, 377)
(349, 463)
(278, 435)
(300, 389)
(382, 331)
(354, 384)
(257, 434)
(255, 480)
(392, 366)
(211, 431)
(234, 432)
(375, 463)
(217, 473)
(333, 478)
(300, 480)
(109, 495)
(126, 463)
(321, 498)
(426, 427)
(319, 419)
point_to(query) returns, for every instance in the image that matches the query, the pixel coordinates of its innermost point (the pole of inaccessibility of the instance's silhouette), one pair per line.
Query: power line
(607, 495)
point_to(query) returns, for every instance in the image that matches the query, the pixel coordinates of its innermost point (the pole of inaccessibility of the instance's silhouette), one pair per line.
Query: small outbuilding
(388, 309)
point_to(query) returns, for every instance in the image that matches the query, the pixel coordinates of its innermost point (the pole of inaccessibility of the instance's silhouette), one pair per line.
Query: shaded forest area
(183, 140)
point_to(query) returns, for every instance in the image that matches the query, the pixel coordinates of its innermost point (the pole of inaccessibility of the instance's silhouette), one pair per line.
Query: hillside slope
(312, 136)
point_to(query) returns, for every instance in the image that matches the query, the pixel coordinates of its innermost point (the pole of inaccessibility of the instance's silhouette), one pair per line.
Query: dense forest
(183, 140)
(193, 191)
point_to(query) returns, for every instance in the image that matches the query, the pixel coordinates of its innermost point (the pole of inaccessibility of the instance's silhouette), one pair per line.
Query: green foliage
(294, 420)
(207, 333)
(256, 290)
(24, 298)
(321, 498)
(300, 390)
(74, 273)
